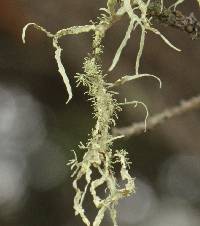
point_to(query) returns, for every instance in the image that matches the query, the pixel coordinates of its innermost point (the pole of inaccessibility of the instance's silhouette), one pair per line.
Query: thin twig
(138, 128)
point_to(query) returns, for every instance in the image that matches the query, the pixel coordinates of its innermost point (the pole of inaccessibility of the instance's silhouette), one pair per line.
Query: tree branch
(175, 19)
(138, 128)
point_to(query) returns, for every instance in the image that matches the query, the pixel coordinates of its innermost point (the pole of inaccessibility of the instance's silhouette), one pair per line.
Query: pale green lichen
(58, 50)
(135, 103)
(131, 8)
(128, 78)
(99, 154)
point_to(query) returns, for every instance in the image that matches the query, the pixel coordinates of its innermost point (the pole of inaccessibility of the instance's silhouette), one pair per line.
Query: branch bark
(175, 19)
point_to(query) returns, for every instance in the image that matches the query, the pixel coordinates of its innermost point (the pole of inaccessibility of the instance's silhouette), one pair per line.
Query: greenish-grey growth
(99, 154)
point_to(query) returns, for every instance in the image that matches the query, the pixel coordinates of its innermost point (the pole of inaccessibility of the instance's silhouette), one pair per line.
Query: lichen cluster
(99, 154)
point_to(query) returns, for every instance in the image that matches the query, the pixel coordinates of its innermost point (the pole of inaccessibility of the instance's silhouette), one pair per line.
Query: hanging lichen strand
(99, 154)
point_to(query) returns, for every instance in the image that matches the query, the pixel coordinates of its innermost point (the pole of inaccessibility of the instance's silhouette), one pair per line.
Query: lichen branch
(128, 78)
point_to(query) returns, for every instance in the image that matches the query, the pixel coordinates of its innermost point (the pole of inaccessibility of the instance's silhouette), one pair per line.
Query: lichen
(99, 153)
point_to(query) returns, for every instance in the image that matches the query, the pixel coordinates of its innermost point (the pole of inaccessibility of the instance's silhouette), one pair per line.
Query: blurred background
(37, 129)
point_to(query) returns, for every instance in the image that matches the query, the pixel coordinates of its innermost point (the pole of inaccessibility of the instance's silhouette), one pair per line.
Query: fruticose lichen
(99, 154)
